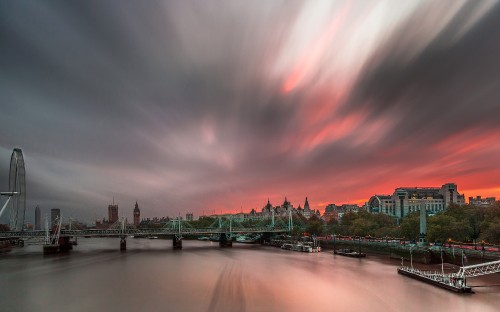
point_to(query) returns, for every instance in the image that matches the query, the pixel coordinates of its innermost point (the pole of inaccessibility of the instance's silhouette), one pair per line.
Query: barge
(303, 247)
(447, 281)
(247, 239)
(349, 253)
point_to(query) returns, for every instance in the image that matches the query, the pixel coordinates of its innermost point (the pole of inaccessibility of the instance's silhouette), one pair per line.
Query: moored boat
(300, 247)
(349, 253)
(247, 239)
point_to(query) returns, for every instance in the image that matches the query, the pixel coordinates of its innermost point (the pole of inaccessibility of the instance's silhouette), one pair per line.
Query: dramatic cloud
(215, 106)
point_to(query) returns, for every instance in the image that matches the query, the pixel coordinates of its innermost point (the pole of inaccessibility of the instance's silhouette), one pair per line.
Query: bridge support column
(51, 249)
(265, 237)
(224, 241)
(176, 242)
(123, 243)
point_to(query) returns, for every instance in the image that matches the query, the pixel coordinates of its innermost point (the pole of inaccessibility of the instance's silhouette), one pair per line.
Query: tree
(363, 226)
(443, 227)
(315, 226)
(492, 233)
(383, 220)
(349, 217)
(410, 226)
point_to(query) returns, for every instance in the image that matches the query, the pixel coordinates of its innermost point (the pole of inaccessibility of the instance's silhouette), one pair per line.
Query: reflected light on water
(150, 276)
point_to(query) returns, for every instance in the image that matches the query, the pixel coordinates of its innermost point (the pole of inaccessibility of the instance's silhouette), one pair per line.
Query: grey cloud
(111, 100)
(445, 88)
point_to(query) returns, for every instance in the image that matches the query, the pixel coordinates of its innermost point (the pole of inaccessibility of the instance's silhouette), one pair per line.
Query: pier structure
(456, 282)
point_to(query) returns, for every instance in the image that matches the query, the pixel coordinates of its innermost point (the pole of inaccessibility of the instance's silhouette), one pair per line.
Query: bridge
(479, 269)
(57, 238)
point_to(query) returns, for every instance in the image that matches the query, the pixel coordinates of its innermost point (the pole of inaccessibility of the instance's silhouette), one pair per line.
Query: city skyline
(183, 107)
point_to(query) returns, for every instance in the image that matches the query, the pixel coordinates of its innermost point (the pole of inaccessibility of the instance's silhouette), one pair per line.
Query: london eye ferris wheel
(17, 186)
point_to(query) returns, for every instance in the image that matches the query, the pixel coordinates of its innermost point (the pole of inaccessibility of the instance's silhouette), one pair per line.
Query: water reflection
(150, 276)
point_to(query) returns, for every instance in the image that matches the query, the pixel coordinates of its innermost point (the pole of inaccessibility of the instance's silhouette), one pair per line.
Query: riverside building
(406, 200)
(482, 202)
(113, 213)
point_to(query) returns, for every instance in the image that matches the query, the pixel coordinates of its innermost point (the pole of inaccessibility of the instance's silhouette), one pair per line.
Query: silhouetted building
(137, 214)
(267, 209)
(38, 218)
(112, 213)
(482, 202)
(406, 200)
(335, 212)
(307, 210)
(189, 216)
(55, 214)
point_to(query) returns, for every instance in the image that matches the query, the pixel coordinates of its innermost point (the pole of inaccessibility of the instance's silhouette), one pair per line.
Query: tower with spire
(137, 214)
(285, 208)
(307, 210)
(267, 208)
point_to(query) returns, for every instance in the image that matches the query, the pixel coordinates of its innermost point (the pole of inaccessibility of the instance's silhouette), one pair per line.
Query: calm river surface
(150, 276)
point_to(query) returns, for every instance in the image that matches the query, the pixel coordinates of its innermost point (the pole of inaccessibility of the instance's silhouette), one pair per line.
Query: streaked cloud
(202, 106)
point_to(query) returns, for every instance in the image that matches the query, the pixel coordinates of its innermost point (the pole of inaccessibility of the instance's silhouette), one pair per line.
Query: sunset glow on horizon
(218, 106)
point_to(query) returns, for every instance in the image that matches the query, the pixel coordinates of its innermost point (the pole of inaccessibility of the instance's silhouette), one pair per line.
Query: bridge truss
(479, 269)
(175, 227)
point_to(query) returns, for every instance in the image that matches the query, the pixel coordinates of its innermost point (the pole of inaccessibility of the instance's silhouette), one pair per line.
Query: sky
(216, 106)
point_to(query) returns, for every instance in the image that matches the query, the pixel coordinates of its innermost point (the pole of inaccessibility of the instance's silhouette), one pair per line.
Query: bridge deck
(144, 232)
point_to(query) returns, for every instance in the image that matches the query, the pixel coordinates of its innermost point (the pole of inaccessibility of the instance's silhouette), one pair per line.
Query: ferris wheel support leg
(5, 206)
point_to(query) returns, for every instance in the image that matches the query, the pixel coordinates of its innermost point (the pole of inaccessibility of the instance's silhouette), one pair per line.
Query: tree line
(467, 223)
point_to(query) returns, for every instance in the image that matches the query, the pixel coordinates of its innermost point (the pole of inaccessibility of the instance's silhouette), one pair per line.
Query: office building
(406, 200)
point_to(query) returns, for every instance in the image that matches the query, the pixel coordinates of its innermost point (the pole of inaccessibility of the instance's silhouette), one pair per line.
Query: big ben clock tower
(137, 215)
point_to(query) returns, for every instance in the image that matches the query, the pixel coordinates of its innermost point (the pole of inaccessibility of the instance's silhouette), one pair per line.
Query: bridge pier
(176, 242)
(224, 241)
(123, 243)
(62, 245)
(265, 237)
(65, 243)
(51, 249)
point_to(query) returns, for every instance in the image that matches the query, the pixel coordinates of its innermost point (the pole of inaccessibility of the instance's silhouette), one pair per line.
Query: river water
(150, 276)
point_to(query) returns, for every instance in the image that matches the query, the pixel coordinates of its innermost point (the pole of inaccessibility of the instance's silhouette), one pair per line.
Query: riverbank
(424, 255)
